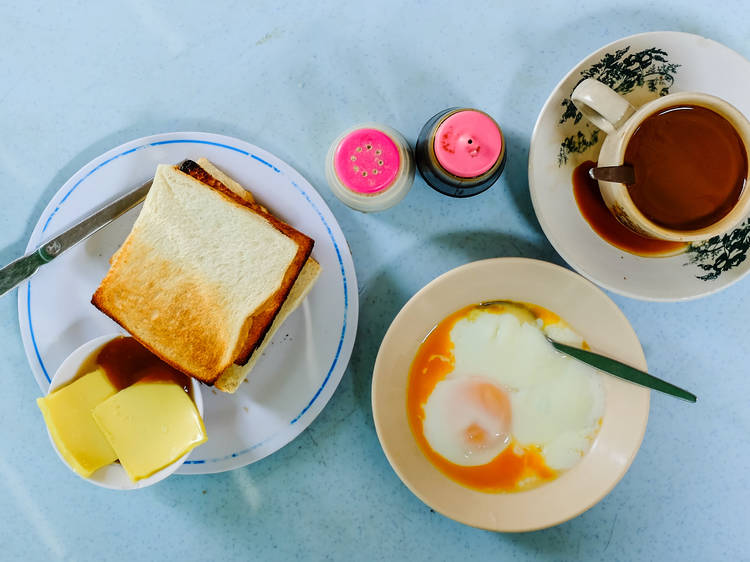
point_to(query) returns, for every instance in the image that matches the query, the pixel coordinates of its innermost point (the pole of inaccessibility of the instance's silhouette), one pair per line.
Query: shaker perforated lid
(367, 161)
(468, 143)
(370, 167)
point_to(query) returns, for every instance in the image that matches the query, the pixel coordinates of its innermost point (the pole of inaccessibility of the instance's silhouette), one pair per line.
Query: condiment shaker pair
(460, 152)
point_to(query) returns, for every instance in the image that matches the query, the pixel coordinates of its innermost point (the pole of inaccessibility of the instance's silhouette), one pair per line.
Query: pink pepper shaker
(461, 152)
(370, 167)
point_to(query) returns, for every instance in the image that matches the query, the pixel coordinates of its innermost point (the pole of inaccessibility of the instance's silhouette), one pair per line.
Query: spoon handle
(623, 371)
(619, 174)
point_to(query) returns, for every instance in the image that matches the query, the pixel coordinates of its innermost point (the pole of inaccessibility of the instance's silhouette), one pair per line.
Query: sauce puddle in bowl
(126, 361)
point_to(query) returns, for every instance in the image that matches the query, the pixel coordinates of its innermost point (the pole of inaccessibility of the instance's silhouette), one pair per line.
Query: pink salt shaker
(460, 152)
(370, 167)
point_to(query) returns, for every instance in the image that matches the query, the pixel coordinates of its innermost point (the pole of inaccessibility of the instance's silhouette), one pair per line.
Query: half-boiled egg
(494, 406)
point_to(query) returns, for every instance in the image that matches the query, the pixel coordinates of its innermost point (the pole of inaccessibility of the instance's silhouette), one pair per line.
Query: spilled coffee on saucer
(690, 167)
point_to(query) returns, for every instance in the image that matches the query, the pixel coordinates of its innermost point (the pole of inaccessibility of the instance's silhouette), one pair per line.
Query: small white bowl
(112, 476)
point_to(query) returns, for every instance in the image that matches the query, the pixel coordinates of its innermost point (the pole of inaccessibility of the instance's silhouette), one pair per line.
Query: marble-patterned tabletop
(79, 78)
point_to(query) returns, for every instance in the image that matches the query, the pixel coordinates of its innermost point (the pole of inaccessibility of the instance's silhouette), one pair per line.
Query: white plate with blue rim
(302, 366)
(641, 67)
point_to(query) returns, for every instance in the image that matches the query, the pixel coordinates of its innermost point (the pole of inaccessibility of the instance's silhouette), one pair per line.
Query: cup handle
(601, 105)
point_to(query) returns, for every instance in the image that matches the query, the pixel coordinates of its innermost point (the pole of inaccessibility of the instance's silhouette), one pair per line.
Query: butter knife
(15, 272)
(623, 371)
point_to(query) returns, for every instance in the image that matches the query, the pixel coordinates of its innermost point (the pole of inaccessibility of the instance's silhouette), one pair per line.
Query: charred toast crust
(258, 324)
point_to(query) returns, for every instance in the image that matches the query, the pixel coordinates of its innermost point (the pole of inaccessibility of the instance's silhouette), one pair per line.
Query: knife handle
(15, 272)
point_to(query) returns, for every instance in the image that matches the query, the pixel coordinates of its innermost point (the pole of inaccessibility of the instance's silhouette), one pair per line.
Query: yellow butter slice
(67, 413)
(150, 425)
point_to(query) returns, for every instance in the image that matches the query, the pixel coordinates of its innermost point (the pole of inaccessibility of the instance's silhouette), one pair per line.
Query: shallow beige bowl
(592, 314)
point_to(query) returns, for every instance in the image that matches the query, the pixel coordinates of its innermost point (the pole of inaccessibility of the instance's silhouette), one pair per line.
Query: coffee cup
(689, 154)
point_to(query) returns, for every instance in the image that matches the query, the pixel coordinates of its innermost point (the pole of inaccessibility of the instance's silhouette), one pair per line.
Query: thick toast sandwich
(203, 274)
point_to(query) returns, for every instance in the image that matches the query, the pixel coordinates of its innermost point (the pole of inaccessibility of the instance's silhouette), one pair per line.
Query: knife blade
(623, 371)
(17, 271)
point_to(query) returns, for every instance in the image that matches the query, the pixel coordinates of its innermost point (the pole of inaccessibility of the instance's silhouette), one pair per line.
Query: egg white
(557, 402)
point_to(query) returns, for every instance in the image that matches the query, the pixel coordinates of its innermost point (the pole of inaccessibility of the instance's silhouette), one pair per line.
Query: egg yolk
(496, 404)
(515, 467)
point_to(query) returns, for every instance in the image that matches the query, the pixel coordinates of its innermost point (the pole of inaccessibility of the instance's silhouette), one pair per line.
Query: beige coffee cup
(615, 116)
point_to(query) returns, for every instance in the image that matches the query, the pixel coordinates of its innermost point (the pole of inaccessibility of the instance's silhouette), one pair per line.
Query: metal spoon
(623, 371)
(618, 174)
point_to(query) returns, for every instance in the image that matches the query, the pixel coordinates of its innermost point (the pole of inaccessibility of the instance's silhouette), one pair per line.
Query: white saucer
(306, 358)
(640, 67)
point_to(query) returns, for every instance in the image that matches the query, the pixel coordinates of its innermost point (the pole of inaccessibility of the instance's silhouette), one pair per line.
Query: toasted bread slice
(228, 182)
(202, 275)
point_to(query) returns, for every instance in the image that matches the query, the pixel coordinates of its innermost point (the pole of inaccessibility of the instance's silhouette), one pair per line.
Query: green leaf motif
(623, 72)
(721, 253)
(577, 143)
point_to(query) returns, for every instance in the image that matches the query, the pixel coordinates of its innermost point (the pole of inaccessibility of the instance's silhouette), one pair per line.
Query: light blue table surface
(78, 78)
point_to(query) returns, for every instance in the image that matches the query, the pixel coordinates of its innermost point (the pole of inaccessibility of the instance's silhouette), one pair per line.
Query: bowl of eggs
(483, 419)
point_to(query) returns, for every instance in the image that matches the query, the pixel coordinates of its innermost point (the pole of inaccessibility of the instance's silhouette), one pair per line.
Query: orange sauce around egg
(546, 316)
(515, 465)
